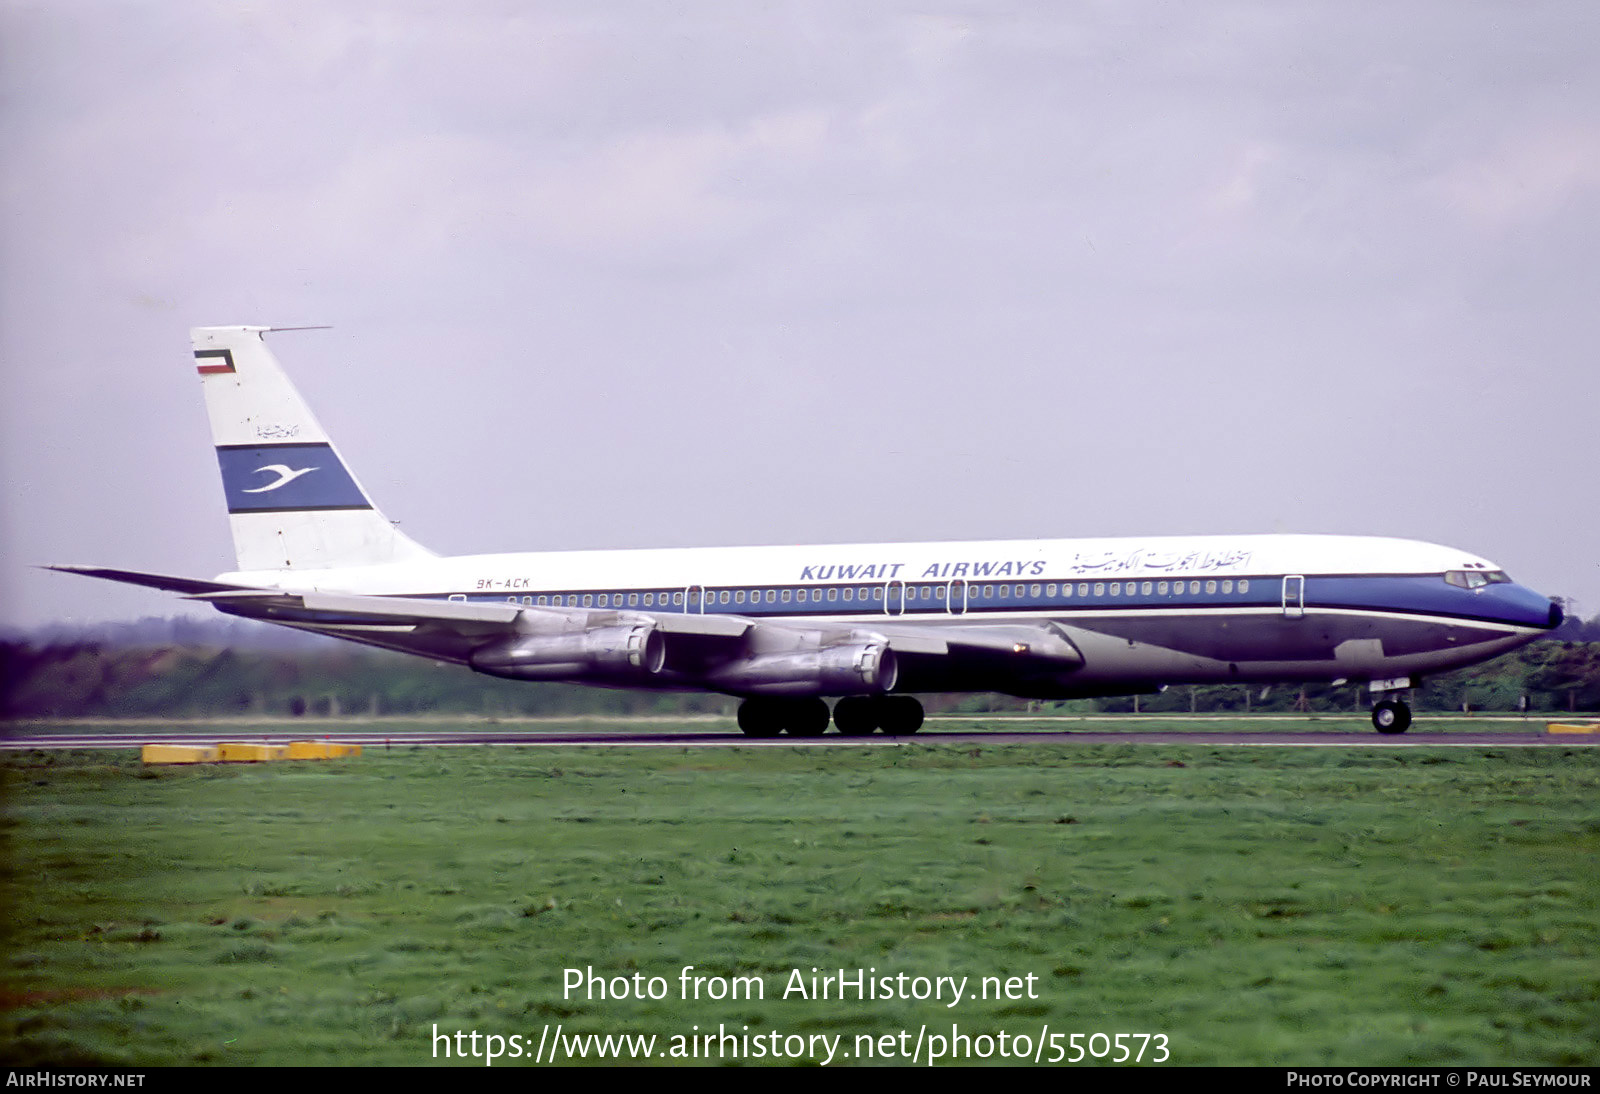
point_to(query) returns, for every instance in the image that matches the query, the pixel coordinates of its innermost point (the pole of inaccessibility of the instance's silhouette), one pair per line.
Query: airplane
(784, 628)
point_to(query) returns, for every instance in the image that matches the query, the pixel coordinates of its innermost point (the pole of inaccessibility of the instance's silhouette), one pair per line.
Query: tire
(805, 717)
(759, 718)
(1391, 716)
(855, 716)
(899, 715)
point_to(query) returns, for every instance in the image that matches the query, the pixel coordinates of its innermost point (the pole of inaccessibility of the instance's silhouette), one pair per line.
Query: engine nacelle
(863, 669)
(623, 653)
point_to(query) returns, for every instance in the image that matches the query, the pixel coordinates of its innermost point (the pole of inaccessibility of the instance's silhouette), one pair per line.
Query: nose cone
(1512, 603)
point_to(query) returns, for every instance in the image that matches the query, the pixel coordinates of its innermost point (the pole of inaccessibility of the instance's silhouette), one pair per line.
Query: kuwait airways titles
(1080, 565)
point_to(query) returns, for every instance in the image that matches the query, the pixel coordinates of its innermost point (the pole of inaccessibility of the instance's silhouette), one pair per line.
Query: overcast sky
(611, 274)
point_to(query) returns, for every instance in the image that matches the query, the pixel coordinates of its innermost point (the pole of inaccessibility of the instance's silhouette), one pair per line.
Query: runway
(631, 735)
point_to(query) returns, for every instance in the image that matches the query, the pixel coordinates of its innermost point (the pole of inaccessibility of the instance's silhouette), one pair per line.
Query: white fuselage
(1139, 610)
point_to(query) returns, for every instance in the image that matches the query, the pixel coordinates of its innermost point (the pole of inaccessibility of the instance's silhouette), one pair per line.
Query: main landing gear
(855, 715)
(859, 715)
(1391, 716)
(764, 717)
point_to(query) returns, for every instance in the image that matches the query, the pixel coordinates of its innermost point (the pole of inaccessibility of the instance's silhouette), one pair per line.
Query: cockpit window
(1476, 579)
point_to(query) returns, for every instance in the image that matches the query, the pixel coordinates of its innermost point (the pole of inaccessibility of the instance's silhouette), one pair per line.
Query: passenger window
(786, 596)
(1244, 586)
(1227, 587)
(1099, 588)
(1050, 589)
(1211, 588)
(849, 594)
(1194, 586)
(677, 598)
(1005, 591)
(1146, 588)
(833, 594)
(588, 600)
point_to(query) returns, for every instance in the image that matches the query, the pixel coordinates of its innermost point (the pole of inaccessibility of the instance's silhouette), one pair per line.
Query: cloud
(1526, 178)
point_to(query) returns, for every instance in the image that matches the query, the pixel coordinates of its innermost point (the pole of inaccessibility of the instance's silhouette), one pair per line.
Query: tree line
(129, 671)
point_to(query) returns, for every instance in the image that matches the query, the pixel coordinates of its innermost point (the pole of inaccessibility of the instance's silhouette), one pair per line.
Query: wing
(728, 653)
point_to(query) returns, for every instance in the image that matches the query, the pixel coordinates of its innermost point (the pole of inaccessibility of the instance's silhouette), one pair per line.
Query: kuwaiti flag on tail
(212, 361)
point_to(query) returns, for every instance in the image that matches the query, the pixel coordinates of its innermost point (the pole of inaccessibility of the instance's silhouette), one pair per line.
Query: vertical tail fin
(292, 502)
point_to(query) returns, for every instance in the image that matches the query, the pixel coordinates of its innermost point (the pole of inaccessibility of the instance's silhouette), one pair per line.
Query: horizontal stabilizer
(187, 585)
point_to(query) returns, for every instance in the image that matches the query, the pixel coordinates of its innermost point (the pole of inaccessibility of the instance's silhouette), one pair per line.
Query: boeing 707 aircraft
(786, 628)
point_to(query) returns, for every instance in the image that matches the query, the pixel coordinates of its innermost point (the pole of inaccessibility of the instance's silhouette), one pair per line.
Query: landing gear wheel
(760, 718)
(899, 715)
(1391, 716)
(805, 717)
(855, 716)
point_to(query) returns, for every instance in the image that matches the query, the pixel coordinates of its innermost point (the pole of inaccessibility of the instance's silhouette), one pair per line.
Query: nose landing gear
(1391, 716)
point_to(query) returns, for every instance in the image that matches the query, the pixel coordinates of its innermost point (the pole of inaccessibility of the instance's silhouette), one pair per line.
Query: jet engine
(866, 668)
(623, 653)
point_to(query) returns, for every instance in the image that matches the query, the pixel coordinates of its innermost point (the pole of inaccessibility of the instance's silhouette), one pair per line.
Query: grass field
(1293, 906)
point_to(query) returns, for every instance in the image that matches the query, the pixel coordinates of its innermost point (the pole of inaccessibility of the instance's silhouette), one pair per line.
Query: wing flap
(710, 626)
(1041, 644)
(416, 611)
